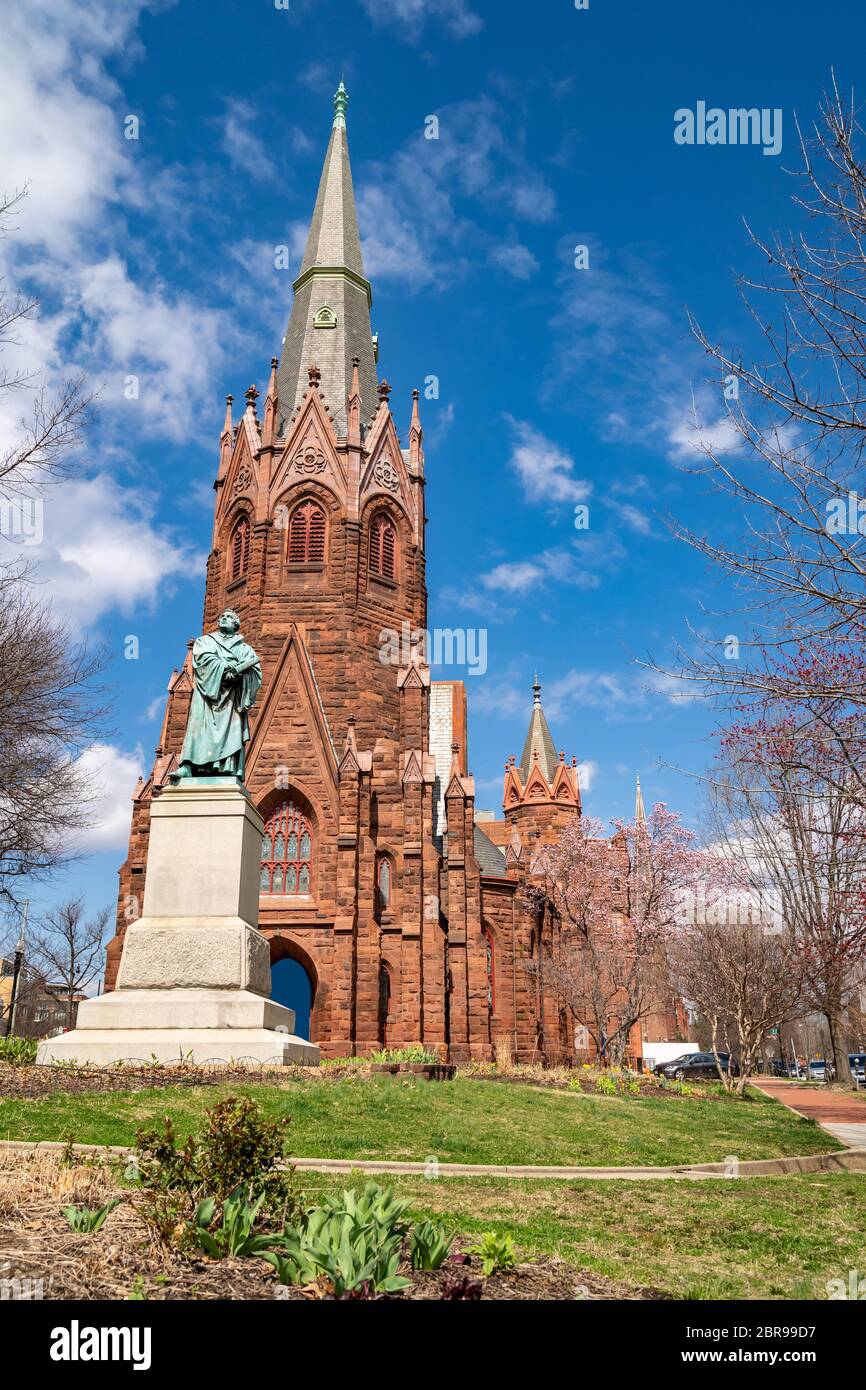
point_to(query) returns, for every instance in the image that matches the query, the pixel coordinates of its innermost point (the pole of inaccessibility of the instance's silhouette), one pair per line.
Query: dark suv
(695, 1065)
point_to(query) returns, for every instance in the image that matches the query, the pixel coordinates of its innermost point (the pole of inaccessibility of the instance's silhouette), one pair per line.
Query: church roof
(490, 858)
(538, 740)
(330, 320)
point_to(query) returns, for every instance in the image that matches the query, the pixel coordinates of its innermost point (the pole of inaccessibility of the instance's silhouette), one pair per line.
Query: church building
(378, 876)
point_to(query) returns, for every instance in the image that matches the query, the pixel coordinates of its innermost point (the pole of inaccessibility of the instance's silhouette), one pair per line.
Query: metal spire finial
(341, 101)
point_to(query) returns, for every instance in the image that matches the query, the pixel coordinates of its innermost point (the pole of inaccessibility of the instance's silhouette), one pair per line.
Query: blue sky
(153, 258)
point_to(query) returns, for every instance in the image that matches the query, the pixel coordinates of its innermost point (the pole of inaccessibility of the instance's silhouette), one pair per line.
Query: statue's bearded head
(228, 622)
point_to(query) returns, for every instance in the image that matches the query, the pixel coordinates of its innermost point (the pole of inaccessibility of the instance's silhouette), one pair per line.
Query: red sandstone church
(377, 874)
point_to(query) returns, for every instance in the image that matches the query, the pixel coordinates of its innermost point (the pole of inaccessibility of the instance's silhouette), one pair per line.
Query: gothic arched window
(491, 968)
(383, 546)
(240, 548)
(287, 851)
(385, 1003)
(307, 529)
(384, 884)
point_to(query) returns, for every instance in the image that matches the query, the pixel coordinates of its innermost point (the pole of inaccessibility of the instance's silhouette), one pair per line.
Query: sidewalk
(843, 1116)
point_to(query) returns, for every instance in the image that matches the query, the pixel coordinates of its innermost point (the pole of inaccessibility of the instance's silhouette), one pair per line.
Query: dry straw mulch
(121, 1260)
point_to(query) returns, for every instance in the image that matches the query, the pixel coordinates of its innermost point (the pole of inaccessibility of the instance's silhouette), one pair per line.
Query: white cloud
(517, 260)
(674, 690)
(171, 344)
(112, 774)
(409, 16)
(691, 437)
(514, 576)
(66, 137)
(546, 472)
(103, 549)
(419, 210)
(154, 709)
(586, 772)
(634, 518)
(246, 151)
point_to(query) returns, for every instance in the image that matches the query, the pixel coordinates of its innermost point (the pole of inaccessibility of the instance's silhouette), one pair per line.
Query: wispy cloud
(111, 774)
(455, 17)
(546, 472)
(245, 149)
(103, 549)
(424, 212)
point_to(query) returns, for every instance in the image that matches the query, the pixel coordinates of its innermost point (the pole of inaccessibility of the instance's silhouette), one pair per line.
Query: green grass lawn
(460, 1121)
(749, 1238)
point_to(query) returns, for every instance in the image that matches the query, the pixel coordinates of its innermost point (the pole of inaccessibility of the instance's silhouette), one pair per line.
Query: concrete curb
(844, 1160)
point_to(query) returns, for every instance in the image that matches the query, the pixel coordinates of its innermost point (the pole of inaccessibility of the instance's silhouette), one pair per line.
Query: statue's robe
(218, 726)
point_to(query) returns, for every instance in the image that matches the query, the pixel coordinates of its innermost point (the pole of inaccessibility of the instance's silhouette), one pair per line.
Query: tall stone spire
(538, 741)
(330, 320)
(639, 809)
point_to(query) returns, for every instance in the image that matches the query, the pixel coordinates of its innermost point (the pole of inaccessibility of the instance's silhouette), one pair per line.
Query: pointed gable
(292, 729)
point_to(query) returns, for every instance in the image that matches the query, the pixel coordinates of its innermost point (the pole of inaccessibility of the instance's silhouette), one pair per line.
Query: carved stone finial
(384, 391)
(252, 395)
(314, 374)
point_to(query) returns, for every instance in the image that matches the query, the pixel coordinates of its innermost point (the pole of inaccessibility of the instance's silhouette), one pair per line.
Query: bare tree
(790, 461)
(51, 710)
(68, 950)
(792, 821)
(800, 415)
(52, 707)
(43, 451)
(745, 978)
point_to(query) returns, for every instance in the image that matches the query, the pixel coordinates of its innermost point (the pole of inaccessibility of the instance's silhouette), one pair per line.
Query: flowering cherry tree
(618, 901)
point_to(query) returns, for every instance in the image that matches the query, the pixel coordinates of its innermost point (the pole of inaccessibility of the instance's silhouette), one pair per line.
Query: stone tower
(405, 914)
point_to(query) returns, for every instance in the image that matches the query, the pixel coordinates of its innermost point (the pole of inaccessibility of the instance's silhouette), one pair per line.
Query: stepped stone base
(198, 1025)
(195, 973)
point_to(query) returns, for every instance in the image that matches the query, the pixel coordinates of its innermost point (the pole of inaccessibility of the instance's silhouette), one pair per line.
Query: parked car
(693, 1065)
(857, 1062)
(780, 1068)
(817, 1069)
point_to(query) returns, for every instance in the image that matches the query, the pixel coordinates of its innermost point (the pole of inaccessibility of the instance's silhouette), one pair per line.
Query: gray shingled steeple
(330, 321)
(538, 740)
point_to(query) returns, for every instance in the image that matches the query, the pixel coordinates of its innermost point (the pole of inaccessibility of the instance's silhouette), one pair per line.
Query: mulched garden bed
(122, 1260)
(31, 1082)
(587, 1086)
(119, 1261)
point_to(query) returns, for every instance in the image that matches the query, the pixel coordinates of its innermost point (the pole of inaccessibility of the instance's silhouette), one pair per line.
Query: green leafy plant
(238, 1147)
(230, 1231)
(606, 1085)
(350, 1240)
(429, 1245)
(415, 1053)
(496, 1252)
(89, 1220)
(18, 1052)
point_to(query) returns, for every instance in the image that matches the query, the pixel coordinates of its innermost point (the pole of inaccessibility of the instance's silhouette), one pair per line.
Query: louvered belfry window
(383, 547)
(240, 549)
(307, 535)
(287, 851)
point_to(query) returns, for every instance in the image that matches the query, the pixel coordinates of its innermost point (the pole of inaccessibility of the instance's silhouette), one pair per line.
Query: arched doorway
(293, 982)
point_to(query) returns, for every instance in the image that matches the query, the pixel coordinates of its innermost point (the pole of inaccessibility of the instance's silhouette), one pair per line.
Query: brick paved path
(842, 1114)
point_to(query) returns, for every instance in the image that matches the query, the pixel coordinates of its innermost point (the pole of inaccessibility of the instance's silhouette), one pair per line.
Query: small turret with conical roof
(541, 791)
